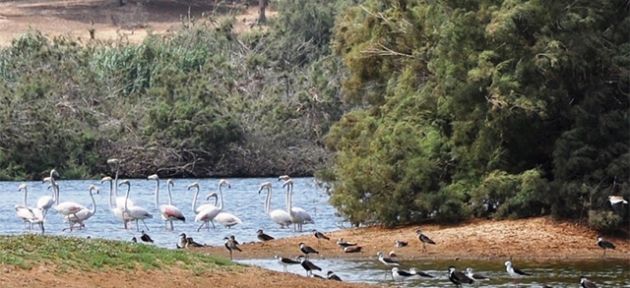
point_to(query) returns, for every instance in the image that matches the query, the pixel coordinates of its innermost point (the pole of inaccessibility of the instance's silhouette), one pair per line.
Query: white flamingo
(29, 215)
(116, 209)
(205, 206)
(84, 214)
(120, 200)
(134, 213)
(210, 214)
(168, 211)
(299, 216)
(46, 202)
(66, 208)
(278, 216)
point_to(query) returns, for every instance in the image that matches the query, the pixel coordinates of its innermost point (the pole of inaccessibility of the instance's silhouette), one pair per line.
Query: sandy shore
(228, 277)
(529, 239)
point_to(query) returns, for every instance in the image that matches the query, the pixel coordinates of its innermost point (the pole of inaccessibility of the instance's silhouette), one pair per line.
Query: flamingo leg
(145, 224)
(172, 228)
(199, 228)
(213, 227)
(41, 225)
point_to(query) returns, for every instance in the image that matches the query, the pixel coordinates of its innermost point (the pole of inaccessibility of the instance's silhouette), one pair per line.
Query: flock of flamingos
(126, 211)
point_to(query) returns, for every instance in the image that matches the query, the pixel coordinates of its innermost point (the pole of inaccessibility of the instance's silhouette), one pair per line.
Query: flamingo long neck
(194, 201)
(116, 181)
(170, 198)
(288, 197)
(25, 193)
(55, 190)
(111, 195)
(268, 201)
(127, 196)
(157, 193)
(93, 210)
(221, 195)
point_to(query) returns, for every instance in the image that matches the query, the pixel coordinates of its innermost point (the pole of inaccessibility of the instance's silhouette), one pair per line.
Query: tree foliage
(500, 108)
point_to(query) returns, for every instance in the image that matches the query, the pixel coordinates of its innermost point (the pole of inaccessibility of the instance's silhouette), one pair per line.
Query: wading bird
(168, 212)
(332, 276)
(457, 277)
(319, 236)
(46, 202)
(308, 265)
(513, 271)
(134, 213)
(307, 250)
(231, 244)
(145, 237)
(400, 243)
(585, 283)
(84, 214)
(208, 215)
(262, 236)
(472, 275)
(286, 262)
(278, 216)
(299, 216)
(29, 215)
(604, 244)
(424, 239)
(386, 260)
(117, 207)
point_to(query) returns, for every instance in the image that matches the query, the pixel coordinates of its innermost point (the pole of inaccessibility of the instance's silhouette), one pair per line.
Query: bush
(603, 221)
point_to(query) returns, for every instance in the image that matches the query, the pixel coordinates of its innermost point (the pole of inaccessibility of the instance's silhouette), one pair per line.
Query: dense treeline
(201, 101)
(486, 108)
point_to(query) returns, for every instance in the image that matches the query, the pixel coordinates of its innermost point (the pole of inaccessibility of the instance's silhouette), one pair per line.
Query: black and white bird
(585, 283)
(401, 275)
(604, 244)
(286, 262)
(134, 239)
(420, 273)
(231, 244)
(145, 237)
(343, 243)
(352, 249)
(424, 239)
(262, 236)
(181, 243)
(476, 276)
(307, 250)
(308, 265)
(400, 244)
(386, 260)
(190, 243)
(319, 236)
(332, 276)
(513, 271)
(458, 277)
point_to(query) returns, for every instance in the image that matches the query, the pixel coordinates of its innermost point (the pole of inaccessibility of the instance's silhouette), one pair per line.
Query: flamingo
(66, 208)
(46, 202)
(202, 207)
(29, 215)
(278, 216)
(117, 210)
(120, 201)
(135, 213)
(210, 214)
(84, 214)
(299, 216)
(168, 211)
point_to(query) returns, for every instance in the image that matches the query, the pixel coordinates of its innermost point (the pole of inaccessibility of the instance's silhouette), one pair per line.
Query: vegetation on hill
(201, 101)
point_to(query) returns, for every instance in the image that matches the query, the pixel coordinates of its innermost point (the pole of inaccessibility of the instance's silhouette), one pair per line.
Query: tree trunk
(262, 5)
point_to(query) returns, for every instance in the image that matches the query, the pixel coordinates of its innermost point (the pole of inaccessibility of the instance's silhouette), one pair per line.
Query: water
(241, 200)
(606, 273)
(244, 201)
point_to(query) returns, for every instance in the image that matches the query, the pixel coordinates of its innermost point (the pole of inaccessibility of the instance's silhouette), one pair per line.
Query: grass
(64, 253)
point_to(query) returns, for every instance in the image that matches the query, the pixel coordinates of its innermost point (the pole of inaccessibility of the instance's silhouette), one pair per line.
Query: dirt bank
(228, 277)
(532, 239)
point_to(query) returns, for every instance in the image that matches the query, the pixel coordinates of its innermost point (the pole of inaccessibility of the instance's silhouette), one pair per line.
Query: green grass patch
(26, 251)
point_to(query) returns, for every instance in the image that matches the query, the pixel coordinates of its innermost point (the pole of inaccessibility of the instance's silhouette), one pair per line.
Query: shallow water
(605, 272)
(242, 200)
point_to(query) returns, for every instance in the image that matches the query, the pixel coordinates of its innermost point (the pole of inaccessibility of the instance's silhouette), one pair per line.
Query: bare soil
(109, 21)
(536, 239)
(227, 277)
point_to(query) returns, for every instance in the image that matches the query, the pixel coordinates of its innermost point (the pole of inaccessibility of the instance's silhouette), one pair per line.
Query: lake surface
(605, 272)
(244, 201)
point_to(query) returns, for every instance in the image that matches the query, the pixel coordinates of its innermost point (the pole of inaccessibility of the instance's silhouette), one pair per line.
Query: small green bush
(603, 220)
